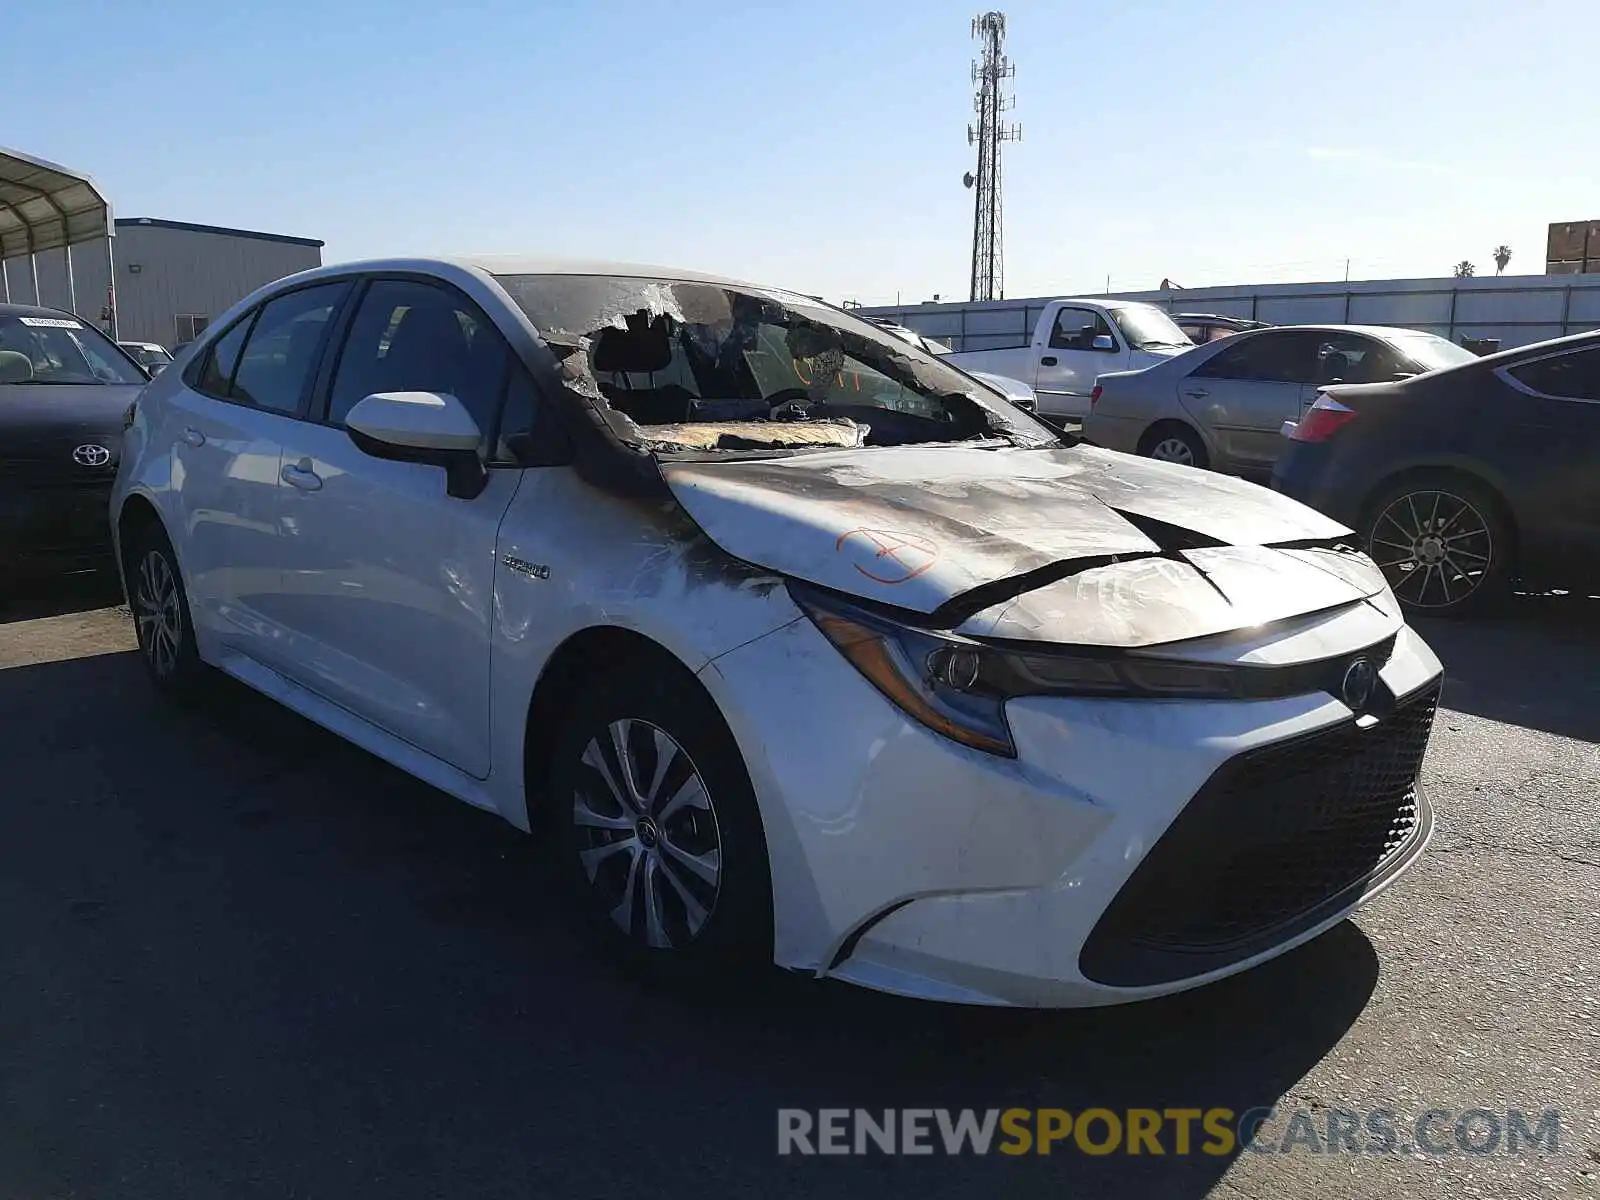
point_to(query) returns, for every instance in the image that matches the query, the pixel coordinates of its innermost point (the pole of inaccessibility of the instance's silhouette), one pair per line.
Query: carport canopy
(46, 207)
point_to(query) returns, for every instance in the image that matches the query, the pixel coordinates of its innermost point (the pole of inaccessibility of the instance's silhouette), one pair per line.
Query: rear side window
(216, 371)
(281, 354)
(1574, 376)
(1290, 357)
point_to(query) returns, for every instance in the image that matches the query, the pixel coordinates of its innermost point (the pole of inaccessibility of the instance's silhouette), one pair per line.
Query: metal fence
(1513, 310)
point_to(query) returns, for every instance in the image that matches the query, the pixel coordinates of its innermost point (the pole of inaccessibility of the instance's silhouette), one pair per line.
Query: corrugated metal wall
(180, 273)
(1515, 309)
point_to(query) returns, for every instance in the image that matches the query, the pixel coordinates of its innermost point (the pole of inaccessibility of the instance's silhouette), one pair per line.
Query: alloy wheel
(158, 613)
(1173, 450)
(1435, 548)
(648, 837)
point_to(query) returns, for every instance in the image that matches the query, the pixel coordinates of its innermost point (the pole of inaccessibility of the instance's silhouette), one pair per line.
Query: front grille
(1278, 838)
(54, 470)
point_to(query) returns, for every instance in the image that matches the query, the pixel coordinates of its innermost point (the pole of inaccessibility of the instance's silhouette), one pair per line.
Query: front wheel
(662, 837)
(1442, 544)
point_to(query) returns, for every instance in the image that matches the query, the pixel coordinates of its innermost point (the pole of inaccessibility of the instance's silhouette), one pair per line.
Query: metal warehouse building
(172, 277)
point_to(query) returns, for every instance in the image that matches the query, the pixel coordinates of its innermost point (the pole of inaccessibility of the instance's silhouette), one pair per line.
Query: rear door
(388, 580)
(1244, 393)
(227, 425)
(1070, 362)
(1552, 433)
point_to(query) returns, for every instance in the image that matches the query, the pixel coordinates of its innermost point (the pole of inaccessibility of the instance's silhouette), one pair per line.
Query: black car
(65, 389)
(1464, 480)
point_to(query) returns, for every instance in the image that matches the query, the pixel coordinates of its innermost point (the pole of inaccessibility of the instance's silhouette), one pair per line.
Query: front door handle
(300, 475)
(194, 437)
(1197, 393)
(1049, 360)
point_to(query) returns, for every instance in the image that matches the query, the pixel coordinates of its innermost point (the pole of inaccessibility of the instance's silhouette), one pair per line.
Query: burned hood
(1070, 544)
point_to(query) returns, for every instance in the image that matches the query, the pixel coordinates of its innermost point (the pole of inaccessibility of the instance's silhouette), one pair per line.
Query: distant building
(172, 277)
(1573, 248)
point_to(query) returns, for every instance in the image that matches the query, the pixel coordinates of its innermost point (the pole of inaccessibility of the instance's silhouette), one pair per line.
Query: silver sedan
(1223, 405)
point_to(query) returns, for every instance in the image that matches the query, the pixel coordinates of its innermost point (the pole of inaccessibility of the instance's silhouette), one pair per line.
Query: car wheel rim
(1174, 450)
(647, 834)
(157, 613)
(1434, 548)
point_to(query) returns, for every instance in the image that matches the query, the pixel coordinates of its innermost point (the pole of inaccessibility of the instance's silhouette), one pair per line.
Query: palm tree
(1465, 270)
(1502, 256)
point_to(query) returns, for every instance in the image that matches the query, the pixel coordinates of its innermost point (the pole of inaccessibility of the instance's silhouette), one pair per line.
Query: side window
(1345, 358)
(216, 369)
(1574, 376)
(1076, 329)
(409, 336)
(525, 418)
(281, 355)
(1289, 357)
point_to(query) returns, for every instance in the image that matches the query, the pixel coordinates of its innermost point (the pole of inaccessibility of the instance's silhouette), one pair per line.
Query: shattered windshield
(707, 366)
(1147, 327)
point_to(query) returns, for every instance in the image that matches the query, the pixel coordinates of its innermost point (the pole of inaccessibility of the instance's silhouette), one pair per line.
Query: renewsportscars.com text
(1167, 1131)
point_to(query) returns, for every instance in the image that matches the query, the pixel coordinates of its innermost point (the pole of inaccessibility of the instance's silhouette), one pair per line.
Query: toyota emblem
(1359, 678)
(90, 455)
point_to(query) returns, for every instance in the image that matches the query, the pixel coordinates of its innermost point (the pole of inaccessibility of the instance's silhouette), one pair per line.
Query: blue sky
(820, 145)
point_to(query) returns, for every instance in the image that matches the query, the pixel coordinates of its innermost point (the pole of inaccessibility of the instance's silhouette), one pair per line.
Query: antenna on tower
(990, 72)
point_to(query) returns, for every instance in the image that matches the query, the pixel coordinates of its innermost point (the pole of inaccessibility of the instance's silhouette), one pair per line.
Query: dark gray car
(65, 389)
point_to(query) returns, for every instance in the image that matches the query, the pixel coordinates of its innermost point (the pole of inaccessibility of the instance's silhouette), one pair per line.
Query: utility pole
(989, 71)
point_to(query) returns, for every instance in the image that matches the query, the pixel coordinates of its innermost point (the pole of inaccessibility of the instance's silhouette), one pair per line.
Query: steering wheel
(796, 399)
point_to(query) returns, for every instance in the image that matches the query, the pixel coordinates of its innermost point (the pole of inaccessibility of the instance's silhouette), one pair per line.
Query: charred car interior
(699, 366)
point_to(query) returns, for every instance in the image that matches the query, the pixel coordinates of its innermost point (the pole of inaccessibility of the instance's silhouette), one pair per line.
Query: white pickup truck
(1076, 341)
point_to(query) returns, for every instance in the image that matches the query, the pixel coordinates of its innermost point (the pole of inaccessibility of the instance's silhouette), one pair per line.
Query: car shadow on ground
(269, 957)
(1536, 663)
(55, 597)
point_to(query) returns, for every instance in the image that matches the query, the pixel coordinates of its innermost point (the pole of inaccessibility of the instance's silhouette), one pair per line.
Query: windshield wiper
(54, 383)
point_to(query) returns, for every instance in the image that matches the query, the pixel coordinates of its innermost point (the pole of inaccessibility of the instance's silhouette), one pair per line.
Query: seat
(643, 348)
(427, 352)
(1338, 367)
(15, 367)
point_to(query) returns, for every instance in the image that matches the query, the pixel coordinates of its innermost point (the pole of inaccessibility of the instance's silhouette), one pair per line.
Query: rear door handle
(300, 475)
(1197, 393)
(194, 437)
(1049, 360)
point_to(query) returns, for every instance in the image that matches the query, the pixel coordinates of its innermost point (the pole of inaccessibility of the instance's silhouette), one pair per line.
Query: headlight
(958, 687)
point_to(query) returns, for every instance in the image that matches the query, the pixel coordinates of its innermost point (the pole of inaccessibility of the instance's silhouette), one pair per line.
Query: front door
(1070, 363)
(1549, 436)
(388, 585)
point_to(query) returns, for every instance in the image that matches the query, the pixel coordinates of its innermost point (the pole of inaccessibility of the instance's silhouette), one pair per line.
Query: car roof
(1377, 331)
(33, 310)
(516, 264)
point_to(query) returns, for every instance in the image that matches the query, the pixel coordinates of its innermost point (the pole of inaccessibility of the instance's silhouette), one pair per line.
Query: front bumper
(907, 863)
(48, 531)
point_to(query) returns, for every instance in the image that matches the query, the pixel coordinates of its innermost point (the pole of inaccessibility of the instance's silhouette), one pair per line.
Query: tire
(1173, 441)
(1443, 542)
(681, 877)
(160, 608)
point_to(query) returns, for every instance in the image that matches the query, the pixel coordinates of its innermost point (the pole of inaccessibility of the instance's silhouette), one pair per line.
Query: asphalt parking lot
(245, 959)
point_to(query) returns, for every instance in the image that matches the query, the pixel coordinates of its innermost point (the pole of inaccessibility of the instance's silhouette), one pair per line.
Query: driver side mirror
(422, 427)
(1103, 341)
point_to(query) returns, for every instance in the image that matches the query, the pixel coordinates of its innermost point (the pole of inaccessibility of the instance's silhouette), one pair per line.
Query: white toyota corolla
(807, 646)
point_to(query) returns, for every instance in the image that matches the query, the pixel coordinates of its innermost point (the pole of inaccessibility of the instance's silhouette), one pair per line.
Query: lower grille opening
(1276, 840)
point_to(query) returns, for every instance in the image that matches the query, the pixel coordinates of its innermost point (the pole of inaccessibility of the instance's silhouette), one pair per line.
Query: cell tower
(990, 72)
